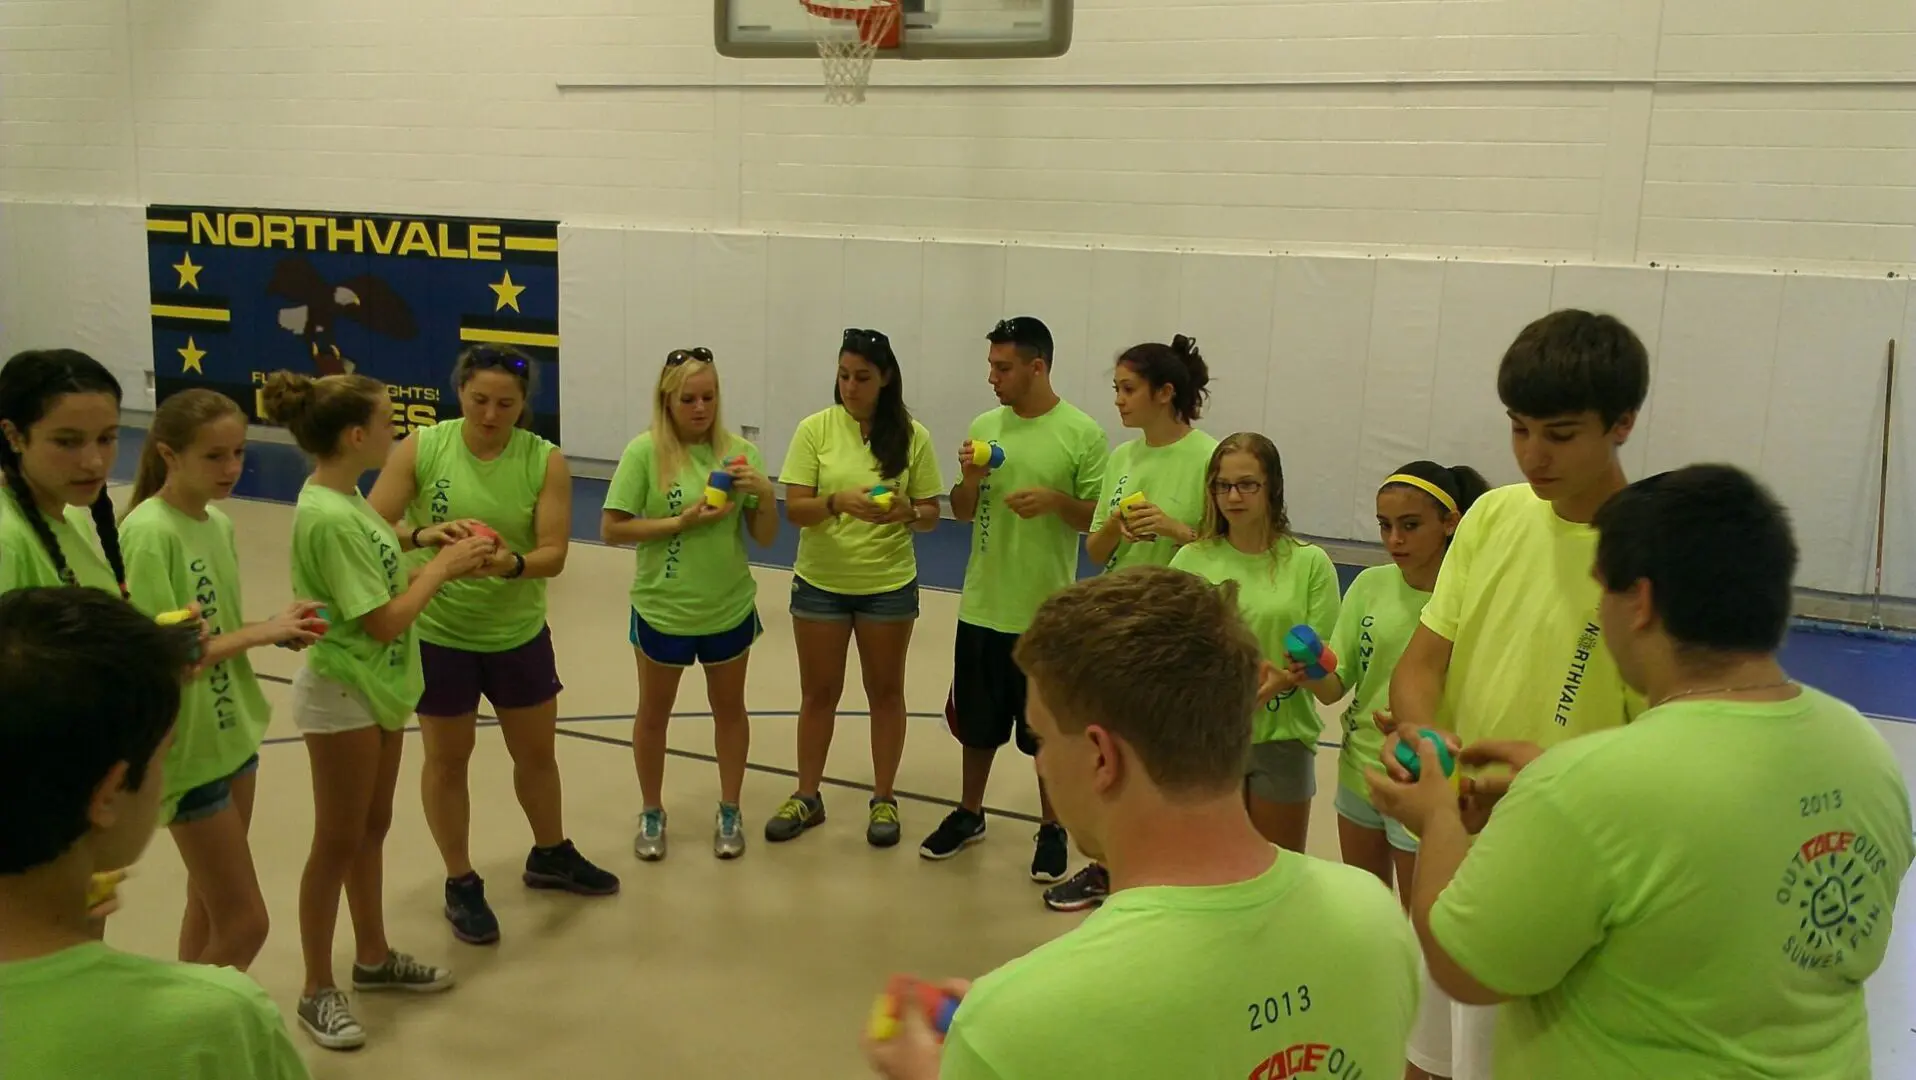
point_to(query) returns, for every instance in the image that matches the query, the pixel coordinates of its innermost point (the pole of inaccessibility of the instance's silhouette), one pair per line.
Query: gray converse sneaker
(329, 1020)
(728, 833)
(650, 843)
(401, 972)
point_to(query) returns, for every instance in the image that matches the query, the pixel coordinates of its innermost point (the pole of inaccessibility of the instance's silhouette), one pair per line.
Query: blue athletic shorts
(682, 650)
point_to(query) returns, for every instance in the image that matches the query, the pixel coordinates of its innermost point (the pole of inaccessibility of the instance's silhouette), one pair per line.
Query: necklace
(1748, 689)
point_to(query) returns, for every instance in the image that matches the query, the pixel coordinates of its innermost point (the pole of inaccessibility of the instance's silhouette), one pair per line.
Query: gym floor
(761, 966)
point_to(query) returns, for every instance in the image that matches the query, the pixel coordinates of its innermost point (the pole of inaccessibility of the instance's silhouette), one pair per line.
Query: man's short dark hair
(1027, 334)
(1572, 361)
(1158, 657)
(86, 682)
(1715, 547)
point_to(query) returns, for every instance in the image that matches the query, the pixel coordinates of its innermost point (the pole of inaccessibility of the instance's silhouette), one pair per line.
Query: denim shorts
(1283, 771)
(816, 604)
(1353, 808)
(211, 797)
(684, 650)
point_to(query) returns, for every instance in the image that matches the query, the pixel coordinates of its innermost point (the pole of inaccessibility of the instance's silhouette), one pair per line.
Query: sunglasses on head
(853, 335)
(680, 356)
(487, 356)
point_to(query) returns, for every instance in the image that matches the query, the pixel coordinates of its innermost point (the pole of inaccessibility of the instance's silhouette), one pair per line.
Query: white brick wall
(453, 106)
(1486, 138)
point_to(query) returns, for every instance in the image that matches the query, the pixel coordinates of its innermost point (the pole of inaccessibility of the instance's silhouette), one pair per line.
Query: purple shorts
(515, 679)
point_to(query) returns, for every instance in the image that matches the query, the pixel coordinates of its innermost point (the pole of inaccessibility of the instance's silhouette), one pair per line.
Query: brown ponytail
(176, 424)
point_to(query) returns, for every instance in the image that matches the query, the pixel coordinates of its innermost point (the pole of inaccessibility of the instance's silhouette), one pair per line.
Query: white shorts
(1449, 1039)
(322, 706)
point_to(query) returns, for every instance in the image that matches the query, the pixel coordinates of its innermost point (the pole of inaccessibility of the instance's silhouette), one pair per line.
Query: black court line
(753, 766)
(774, 770)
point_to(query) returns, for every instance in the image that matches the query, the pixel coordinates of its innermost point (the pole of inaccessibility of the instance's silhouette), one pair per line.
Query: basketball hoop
(849, 34)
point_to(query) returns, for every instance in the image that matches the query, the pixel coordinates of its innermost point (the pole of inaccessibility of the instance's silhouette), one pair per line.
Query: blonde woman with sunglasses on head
(487, 636)
(686, 493)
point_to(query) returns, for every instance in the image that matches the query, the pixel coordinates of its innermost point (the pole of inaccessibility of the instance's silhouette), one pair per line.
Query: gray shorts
(1283, 772)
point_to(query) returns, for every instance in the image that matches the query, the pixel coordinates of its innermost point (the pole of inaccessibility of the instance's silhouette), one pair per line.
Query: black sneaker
(960, 829)
(466, 909)
(1086, 889)
(1052, 855)
(563, 868)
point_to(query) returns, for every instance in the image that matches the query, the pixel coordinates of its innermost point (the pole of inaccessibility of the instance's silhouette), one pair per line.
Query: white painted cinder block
(1203, 152)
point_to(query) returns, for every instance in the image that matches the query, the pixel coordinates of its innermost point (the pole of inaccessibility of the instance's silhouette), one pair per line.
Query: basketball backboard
(930, 29)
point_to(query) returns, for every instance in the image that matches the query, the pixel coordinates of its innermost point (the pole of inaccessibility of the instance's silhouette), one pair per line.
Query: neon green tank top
(491, 614)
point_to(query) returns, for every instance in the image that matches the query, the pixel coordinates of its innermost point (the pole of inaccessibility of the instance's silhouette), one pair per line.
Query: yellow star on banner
(189, 273)
(190, 357)
(508, 293)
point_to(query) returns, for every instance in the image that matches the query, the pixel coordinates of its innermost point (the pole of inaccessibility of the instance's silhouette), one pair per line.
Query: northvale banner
(240, 294)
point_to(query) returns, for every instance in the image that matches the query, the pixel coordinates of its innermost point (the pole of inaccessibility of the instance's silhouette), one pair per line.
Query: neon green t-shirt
(173, 561)
(24, 563)
(699, 581)
(1307, 969)
(1516, 600)
(842, 554)
(1277, 590)
(1016, 562)
(1379, 615)
(1701, 893)
(97, 1013)
(489, 614)
(347, 558)
(1171, 477)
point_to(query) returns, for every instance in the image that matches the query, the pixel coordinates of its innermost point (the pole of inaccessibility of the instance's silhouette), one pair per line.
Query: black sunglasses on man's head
(680, 356)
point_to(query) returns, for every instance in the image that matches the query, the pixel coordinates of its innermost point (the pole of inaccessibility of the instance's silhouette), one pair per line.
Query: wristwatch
(518, 565)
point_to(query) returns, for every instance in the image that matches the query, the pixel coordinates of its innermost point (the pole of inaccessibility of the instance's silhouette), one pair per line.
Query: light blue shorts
(1352, 808)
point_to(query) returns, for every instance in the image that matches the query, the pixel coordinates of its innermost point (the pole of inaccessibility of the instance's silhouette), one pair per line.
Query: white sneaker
(728, 832)
(650, 843)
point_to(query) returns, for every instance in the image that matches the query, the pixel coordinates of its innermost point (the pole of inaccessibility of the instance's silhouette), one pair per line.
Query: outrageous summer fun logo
(1828, 887)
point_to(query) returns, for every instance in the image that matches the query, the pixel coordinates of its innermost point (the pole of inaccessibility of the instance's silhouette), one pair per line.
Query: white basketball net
(848, 36)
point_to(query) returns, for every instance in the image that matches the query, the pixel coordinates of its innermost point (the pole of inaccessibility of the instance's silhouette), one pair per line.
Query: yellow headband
(1419, 482)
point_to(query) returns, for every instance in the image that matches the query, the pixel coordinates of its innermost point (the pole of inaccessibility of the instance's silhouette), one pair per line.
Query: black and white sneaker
(1052, 855)
(1086, 889)
(960, 829)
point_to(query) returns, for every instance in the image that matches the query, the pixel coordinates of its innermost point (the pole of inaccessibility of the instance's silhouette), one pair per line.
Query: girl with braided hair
(59, 431)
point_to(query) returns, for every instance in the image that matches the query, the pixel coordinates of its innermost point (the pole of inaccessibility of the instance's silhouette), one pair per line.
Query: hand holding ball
(187, 623)
(1407, 755)
(938, 1006)
(881, 497)
(987, 455)
(1303, 645)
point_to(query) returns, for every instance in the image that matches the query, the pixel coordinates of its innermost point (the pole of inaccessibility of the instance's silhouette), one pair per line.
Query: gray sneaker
(728, 833)
(794, 816)
(401, 972)
(329, 1020)
(650, 843)
(883, 829)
